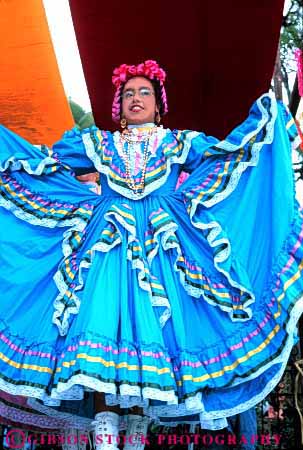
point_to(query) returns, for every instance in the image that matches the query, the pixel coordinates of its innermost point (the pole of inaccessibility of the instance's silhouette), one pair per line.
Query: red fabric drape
(219, 55)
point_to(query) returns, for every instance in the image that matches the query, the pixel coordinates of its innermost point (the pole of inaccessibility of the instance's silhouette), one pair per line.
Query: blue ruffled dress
(183, 300)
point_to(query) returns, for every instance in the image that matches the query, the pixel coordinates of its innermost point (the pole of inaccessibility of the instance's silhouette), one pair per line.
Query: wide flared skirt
(181, 302)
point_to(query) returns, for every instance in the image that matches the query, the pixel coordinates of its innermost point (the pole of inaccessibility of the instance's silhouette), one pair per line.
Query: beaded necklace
(131, 139)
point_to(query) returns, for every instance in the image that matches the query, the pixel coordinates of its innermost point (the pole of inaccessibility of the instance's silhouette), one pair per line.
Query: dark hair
(158, 96)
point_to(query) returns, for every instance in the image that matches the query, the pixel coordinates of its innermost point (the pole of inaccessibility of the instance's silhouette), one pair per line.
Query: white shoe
(106, 436)
(136, 431)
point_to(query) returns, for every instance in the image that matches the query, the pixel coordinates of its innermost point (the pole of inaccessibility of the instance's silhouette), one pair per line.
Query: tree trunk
(294, 99)
(278, 77)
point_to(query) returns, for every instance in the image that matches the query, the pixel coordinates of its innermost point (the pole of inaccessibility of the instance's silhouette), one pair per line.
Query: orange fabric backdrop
(33, 102)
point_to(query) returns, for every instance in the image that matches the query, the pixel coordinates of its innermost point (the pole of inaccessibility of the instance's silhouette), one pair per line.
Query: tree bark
(294, 99)
(278, 77)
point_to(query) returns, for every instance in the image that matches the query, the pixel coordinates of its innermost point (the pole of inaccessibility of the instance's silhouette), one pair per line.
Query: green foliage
(291, 36)
(87, 120)
(81, 118)
(292, 28)
(77, 110)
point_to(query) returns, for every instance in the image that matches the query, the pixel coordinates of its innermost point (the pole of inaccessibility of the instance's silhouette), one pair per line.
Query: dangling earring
(123, 123)
(158, 118)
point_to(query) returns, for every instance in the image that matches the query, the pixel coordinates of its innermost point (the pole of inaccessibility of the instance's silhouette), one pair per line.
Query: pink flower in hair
(120, 75)
(149, 69)
(154, 71)
(140, 69)
(132, 70)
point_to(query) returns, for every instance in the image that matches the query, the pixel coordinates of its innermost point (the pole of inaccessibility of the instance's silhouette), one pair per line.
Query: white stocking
(136, 428)
(70, 439)
(106, 430)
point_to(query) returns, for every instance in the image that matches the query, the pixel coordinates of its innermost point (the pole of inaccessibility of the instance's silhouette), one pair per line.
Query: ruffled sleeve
(198, 144)
(47, 212)
(71, 152)
(242, 199)
(200, 147)
(18, 154)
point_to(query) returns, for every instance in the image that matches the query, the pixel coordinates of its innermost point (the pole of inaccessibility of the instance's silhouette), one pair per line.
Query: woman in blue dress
(178, 301)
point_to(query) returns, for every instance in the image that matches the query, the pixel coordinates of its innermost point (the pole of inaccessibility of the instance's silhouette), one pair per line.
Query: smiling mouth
(136, 108)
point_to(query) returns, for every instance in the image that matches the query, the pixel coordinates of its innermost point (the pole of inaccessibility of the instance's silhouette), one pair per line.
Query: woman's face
(138, 101)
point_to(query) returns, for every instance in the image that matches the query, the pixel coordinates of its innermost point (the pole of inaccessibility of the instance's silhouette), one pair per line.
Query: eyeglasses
(143, 93)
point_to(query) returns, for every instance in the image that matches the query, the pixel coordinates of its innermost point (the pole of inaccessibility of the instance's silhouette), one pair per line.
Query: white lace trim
(16, 164)
(125, 401)
(51, 402)
(168, 231)
(72, 392)
(180, 410)
(60, 317)
(129, 395)
(255, 150)
(125, 191)
(77, 223)
(213, 424)
(78, 422)
(30, 418)
(192, 405)
(222, 256)
(26, 391)
(156, 394)
(78, 381)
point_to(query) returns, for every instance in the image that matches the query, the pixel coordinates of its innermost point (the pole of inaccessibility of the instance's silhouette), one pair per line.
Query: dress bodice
(169, 153)
(167, 188)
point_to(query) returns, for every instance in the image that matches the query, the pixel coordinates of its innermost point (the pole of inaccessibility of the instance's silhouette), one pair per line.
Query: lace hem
(134, 395)
(30, 419)
(128, 395)
(81, 423)
(183, 410)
